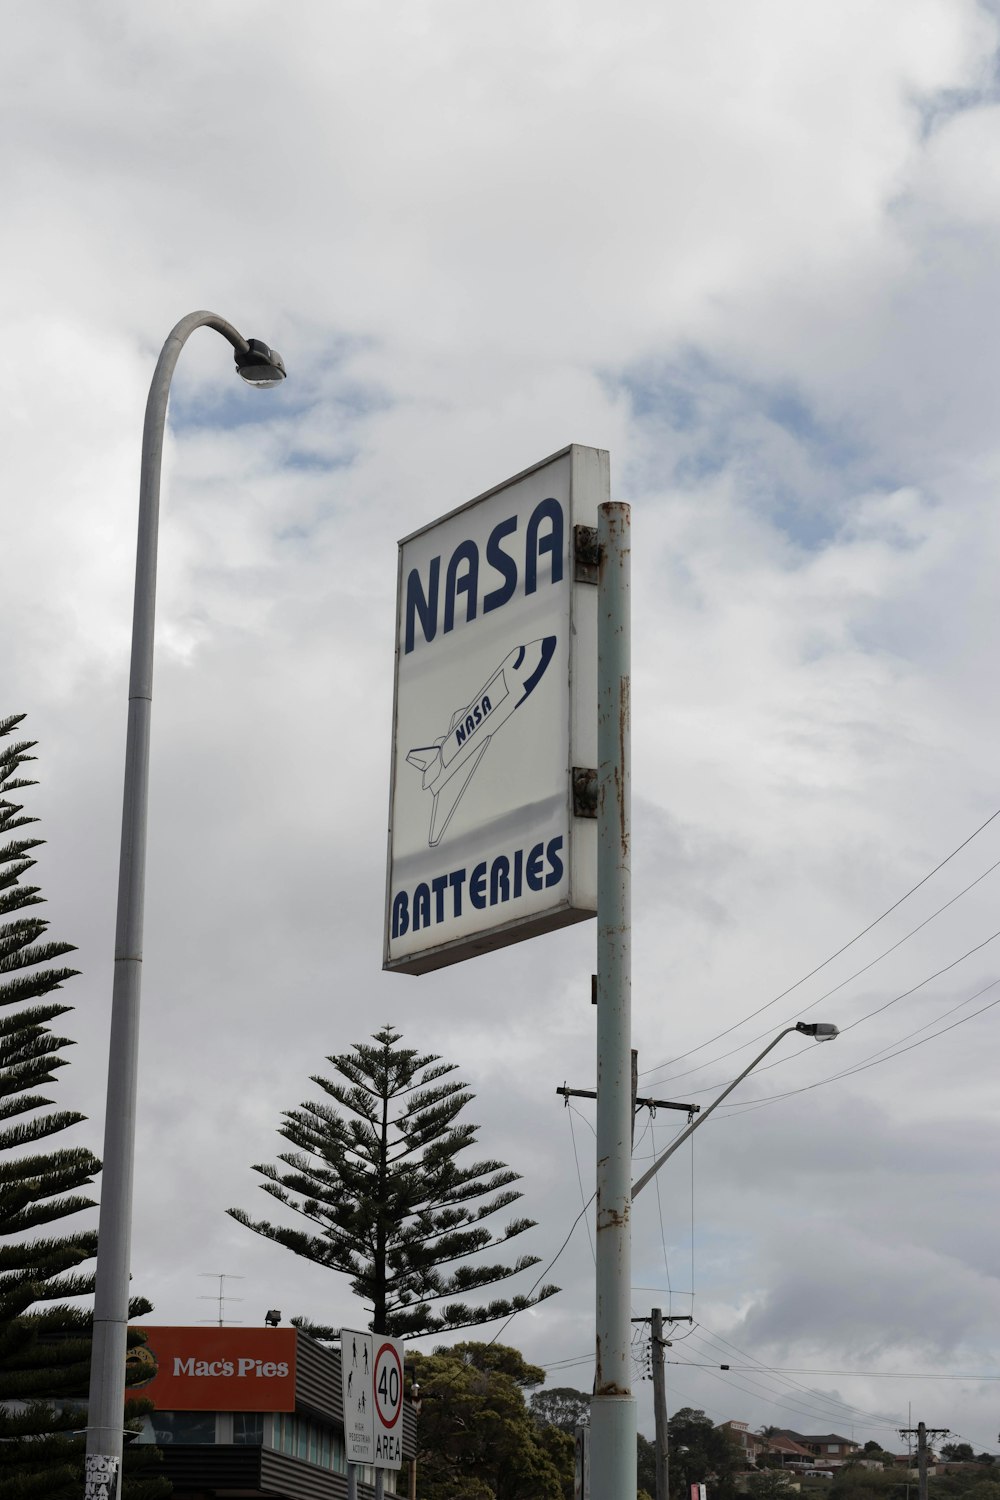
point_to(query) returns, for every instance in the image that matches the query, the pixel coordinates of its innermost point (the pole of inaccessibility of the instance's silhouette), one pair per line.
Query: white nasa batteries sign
(372, 1380)
(495, 703)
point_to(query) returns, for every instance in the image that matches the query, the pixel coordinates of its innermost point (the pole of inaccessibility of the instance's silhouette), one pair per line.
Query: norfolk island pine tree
(44, 1340)
(376, 1171)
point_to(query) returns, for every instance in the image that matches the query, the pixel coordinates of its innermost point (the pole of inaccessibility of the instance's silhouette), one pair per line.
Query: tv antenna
(220, 1296)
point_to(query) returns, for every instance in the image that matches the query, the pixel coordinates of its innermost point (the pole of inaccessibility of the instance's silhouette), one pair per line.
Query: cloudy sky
(748, 246)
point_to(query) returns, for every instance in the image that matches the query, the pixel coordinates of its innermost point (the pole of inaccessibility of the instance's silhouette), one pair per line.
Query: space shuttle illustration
(450, 763)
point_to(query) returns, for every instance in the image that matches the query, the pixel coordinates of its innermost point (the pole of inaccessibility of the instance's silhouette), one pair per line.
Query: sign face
(495, 703)
(356, 1367)
(372, 1380)
(388, 1402)
(214, 1369)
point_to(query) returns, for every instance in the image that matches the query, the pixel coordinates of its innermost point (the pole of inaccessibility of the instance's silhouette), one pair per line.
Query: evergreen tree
(700, 1453)
(478, 1439)
(563, 1406)
(377, 1172)
(44, 1342)
(645, 1464)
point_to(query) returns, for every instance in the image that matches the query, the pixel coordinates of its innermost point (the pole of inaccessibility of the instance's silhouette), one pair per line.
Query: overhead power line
(753, 1388)
(860, 1374)
(816, 1404)
(826, 961)
(876, 1060)
(722, 1056)
(851, 1409)
(903, 995)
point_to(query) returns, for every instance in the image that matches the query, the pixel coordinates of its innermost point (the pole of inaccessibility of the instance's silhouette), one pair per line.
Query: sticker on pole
(387, 1380)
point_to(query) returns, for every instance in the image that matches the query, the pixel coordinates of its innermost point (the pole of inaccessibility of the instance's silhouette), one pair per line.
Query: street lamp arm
(144, 608)
(690, 1129)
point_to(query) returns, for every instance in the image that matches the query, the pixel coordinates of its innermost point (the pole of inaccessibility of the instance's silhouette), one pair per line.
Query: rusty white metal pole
(613, 1455)
(105, 1419)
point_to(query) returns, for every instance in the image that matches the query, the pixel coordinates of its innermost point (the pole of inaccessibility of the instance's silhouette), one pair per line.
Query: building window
(183, 1426)
(248, 1428)
(314, 1442)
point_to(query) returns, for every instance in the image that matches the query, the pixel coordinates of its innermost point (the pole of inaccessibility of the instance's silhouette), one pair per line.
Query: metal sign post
(613, 1423)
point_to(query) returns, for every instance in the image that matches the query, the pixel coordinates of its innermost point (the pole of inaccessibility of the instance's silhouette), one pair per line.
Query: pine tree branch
(33, 987)
(36, 1015)
(27, 1132)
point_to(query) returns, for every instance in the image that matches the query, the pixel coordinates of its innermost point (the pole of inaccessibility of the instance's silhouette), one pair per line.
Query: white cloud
(748, 248)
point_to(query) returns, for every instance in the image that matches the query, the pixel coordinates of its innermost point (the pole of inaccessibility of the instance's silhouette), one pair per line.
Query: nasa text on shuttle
(495, 704)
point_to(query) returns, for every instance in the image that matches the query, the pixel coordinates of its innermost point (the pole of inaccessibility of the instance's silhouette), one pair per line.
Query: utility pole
(662, 1432)
(922, 1431)
(612, 1412)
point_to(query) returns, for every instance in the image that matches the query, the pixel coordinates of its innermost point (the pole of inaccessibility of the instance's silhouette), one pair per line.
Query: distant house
(779, 1451)
(826, 1447)
(749, 1444)
(787, 1452)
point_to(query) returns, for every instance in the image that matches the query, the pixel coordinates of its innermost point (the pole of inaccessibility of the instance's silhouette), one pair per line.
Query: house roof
(781, 1442)
(817, 1437)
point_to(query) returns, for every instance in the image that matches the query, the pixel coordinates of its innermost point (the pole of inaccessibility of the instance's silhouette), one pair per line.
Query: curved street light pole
(821, 1030)
(258, 365)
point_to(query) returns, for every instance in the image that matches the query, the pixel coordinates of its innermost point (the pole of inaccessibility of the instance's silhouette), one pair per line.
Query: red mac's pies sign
(214, 1369)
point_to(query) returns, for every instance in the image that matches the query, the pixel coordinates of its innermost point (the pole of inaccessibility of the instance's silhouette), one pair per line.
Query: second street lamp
(260, 366)
(823, 1031)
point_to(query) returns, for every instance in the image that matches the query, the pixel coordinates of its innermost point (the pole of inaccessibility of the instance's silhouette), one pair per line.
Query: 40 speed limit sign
(387, 1402)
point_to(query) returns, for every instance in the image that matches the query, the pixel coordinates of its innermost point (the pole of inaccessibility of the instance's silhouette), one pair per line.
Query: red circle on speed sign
(388, 1382)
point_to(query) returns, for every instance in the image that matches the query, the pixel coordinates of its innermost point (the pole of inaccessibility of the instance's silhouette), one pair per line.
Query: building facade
(251, 1413)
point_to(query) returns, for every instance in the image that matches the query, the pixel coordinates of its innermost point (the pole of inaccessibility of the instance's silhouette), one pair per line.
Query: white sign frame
(496, 639)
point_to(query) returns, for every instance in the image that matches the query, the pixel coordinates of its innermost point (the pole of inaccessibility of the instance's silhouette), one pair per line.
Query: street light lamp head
(823, 1031)
(259, 365)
